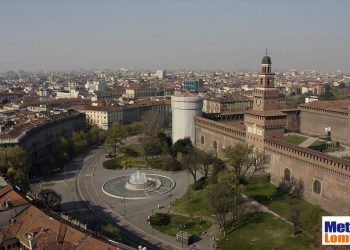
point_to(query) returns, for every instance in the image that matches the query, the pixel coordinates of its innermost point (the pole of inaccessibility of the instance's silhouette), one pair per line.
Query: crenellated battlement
(221, 128)
(329, 163)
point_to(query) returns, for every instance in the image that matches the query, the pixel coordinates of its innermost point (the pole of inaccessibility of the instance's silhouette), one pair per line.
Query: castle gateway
(326, 178)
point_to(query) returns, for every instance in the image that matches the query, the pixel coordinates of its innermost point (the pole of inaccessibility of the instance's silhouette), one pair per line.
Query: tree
(13, 162)
(133, 128)
(165, 142)
(94, 135)
(181, 146)
(48, 198)
(244, 162)
(191, 161)
(294, 217)
(206, 159)
(219, 197)
(80, 141)
(218, 166)
(111, 231)
(292, 186)
(151, 125)
(115, 136)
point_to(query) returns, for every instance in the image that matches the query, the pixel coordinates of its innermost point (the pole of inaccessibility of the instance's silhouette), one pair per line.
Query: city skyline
(151, 35)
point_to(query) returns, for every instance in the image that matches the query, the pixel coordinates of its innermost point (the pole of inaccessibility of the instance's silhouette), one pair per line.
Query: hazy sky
(171, 34)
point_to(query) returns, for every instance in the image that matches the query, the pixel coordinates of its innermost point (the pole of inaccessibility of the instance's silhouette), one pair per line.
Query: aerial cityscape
(174, 125)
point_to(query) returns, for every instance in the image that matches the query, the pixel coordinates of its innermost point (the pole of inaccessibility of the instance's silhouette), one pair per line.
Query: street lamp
(124, 208)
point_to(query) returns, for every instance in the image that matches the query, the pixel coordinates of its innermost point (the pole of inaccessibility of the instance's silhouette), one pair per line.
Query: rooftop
(334, 105)
(50, 233)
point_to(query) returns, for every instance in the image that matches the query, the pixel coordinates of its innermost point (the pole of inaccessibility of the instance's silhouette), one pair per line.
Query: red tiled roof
(50, 233)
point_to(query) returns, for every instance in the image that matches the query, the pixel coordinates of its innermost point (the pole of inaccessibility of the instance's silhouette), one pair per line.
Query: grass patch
(294, 139)
(334, 149)
(192, 203)
(317, 143)
(346, 158)
(263, 231)
(279, 202)
(193, 226)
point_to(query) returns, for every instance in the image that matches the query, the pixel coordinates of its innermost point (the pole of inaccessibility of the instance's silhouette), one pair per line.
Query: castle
(326, 178)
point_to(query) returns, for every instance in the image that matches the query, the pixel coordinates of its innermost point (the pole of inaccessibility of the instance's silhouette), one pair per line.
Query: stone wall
(305, 164)
(309, 165)
(293, 120)
(210, 133)
(314, 121)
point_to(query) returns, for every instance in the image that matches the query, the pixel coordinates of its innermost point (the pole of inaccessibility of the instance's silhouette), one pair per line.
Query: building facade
(39, 136)
(326, 178)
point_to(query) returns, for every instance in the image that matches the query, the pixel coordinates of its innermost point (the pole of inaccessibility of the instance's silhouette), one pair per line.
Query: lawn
(279, 202)
(294, 139)
(193, 226)
(317, 143)
(334, 149)
(192, 203)
(137, 162)
(263, 231)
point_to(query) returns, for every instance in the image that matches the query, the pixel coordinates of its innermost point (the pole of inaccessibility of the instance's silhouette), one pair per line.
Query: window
(287, 174)
(202, 139)
(215, 145)
(316, 187)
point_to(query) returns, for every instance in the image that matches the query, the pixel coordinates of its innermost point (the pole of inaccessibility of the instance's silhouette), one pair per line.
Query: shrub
(131, 152)
(200, 184)
(171, 164)
(160, 219)
(112, 164)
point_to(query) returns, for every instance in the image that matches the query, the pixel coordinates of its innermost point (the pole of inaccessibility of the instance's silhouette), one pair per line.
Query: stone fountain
(139, 181)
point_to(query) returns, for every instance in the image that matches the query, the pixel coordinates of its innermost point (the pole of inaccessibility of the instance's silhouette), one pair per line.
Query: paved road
(82, 197)
(134, 216)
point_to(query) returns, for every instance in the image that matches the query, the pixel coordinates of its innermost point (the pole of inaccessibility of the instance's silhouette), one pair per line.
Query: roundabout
(138, 185)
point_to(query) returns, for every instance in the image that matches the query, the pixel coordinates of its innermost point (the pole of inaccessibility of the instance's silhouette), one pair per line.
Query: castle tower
(264, 120)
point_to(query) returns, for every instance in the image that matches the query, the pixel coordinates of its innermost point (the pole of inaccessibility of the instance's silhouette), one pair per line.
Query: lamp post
(150, 222)
(124, 208)
(169, 201)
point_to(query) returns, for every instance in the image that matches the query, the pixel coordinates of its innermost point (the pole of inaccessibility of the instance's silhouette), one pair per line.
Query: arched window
(202, 139)
(261, 81)
(215, 145)
(316, 187)
(287, 174)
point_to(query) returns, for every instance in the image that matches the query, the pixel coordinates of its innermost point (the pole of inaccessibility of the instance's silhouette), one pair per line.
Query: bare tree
(220, 199)
(191, 162)
(206, 160)
(295, 217)
(151, 124)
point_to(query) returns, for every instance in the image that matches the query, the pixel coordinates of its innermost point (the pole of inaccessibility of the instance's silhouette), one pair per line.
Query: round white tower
(184, 108)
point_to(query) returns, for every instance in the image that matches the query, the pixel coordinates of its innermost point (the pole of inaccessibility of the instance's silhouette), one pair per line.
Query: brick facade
(304, 164)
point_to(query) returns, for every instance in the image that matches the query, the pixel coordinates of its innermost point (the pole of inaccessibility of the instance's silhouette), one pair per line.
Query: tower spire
(266, 52)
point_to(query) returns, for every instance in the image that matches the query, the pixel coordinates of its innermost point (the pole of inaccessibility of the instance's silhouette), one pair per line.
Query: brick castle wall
(305, 164)
(314, 121)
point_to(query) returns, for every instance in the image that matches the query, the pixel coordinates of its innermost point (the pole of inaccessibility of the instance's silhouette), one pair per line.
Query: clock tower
(264, 120)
